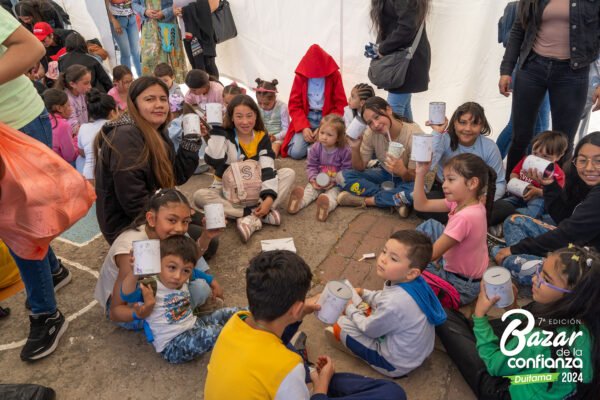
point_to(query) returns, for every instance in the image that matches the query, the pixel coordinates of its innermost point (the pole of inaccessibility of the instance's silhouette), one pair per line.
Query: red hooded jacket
(316, 63)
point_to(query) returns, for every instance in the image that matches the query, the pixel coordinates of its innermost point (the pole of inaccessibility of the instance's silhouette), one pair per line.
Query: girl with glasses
(575, 209)
(566, 304)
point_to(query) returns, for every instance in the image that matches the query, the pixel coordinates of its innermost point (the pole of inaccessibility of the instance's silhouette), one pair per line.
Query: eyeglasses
(541, 281)
(581, 162)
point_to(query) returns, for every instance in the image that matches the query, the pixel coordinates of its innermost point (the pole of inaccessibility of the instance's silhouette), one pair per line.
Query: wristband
(190, 145)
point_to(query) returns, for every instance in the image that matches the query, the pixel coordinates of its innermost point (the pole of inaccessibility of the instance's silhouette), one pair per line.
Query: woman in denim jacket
(555, 41)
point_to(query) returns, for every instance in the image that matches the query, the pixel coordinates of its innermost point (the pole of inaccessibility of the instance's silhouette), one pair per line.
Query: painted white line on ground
(21, 343)
(79, 244)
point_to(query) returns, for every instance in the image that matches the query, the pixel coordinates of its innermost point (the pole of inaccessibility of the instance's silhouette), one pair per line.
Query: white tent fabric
(274, 35)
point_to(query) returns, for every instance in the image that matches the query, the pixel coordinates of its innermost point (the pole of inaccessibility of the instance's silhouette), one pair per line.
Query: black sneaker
(60, 279)
(44, 333)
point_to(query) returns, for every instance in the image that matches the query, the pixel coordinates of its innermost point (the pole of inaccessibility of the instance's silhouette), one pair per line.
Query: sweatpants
(200, 339)
(311, 194)
(202, 197)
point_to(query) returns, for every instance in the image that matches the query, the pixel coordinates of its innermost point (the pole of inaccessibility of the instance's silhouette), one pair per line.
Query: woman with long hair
(555, 42)
(396, 23)
(77, 53)
(135, 157)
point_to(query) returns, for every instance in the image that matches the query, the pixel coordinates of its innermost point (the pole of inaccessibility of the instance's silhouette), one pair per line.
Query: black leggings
(457, 336)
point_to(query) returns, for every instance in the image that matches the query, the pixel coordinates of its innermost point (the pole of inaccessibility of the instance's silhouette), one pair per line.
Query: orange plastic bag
(41, 195)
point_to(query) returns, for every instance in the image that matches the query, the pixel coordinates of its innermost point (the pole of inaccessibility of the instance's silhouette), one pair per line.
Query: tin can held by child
(498, 283)
(323, 179)
(215, 216)
(191, 125)
(395, 149)
(146, 255)
(544, 166)
(214, 113)
(356, 129)
(517, 187)
(437, 112)
(422, 147)
(333, 301)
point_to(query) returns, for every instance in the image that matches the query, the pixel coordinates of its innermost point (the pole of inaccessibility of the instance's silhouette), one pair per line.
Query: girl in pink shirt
(122, 78)
(202, 88)
(460, 254)
(76, 81)
(57, 104)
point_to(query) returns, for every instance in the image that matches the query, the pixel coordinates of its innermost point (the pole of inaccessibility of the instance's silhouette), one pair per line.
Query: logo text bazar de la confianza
(568, 356)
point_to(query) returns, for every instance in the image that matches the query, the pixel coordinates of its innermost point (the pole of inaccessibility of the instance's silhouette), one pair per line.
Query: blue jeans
(517, 228)
(400, 103)
(40, 128)
(567, 89)
(533, 208)
(542, 122)
(367, 183)
(467, 289)
(298, 147)
(37, 274)
(128, 42)
(200, 339)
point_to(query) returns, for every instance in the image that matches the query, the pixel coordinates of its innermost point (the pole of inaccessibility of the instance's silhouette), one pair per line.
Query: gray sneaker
(349, 200)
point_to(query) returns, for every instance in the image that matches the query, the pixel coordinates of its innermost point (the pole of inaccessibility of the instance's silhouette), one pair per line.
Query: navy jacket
(584, 19)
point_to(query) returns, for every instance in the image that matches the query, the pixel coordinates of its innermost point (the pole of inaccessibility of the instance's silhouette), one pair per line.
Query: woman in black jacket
(135, 157)
(397, 23)
(77, 53)
(32, 11)
(575, 209)
(555, 42)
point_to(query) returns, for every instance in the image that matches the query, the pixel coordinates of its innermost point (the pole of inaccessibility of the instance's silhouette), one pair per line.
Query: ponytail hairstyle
(338, 124)
(120, 72)
(266, 89)
(470, 166)
(243, 100)
(160, 198)
(233, 89)
(72, 74)
(53, 98)
(364, 91)
(580, 266)
(76, 43)
(379, 106)
(420, 6)
(575, 188)
(478, 117)
(527, 11)
(155, 149)
(100, 105)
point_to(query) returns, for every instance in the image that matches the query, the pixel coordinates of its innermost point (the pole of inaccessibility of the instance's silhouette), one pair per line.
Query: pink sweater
(62, 138)
(214, 95)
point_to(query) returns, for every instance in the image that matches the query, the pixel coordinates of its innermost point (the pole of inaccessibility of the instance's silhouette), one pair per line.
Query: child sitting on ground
(59, 108)
(358, 95)
(399, 333)
(230, 91)
(253, 358)
(274, 112)
(165, 73)
(329, 155)
(175, 332)
(122, 78)
(461, 246)
(203, 89)
(549, 145)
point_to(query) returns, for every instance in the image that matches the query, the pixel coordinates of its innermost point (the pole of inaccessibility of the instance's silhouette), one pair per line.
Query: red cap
(59, 54)
(41, 30)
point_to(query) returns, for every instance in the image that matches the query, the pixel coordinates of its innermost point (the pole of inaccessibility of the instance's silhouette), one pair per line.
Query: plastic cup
(437, 112)
(497, 282)
(356, 129)
(540, 164)
(191, 125)
(146, 255)
(517, 187)
(333, 301)
(395, 149)
(323, 179)
(215, 216)
(422, 147)
(214, 113)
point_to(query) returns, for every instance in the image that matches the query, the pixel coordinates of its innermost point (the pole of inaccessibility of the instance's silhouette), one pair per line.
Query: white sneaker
(272, 218)
(247, 225)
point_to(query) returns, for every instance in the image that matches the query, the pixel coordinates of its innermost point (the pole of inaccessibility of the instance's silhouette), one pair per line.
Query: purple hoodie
(330, 162)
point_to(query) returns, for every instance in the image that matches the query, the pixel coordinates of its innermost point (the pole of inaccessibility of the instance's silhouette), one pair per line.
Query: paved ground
(97, 360)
